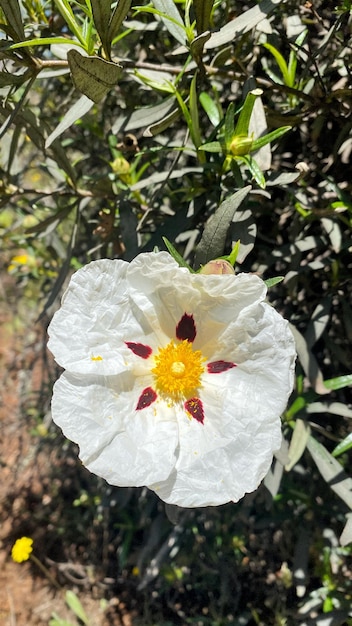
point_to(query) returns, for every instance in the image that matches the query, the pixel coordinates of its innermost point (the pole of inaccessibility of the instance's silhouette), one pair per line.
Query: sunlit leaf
(172, 19)
(298, 443)
(210, 107)
(270, 282)
(80, 108)
(343, 446)
(331, 470)
(241, 24)
(176, 255)
(346, 536)
(339, 382)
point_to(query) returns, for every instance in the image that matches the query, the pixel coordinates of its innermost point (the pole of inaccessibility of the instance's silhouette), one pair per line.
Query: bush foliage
(213, 124)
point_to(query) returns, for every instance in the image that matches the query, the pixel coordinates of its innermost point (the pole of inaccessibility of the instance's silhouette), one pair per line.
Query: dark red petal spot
(186, 328)
(194, 407)
(147, 397)
(216, 367)
(139, 349)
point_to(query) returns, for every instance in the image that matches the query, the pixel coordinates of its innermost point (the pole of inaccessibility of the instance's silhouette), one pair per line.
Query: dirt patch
(27, 597)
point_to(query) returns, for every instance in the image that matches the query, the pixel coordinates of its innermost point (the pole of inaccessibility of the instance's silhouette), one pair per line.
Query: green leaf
(101, 10)
(93, 76)
(339, 383)
(176, 255)
(57, 621)
(202, 10)
(76, 112)
(331, 470)
(119, 14)
(212, 146)
(210, 107)
(298, 443)
(270, 282)
(275, 134)
(194, 115)
(343, 446)
(241, 24)
(280, 61)
(12, 12)
(108, 23)
(170, 16)
(229, 123)
(254, 169)
(242, 126)
(46, 41)
(76, 607)
(212, 243)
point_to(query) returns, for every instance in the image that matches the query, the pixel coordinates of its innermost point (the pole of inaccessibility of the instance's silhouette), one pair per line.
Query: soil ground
(27, 598)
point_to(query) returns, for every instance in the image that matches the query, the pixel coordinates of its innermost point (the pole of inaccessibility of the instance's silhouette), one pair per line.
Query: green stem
(45, 571)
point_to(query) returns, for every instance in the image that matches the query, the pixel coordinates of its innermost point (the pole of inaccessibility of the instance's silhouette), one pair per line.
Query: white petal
(87, 334)
(226, 456)
(118, 443)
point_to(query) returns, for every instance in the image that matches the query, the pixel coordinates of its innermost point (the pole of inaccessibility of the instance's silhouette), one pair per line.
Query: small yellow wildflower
(22, 549)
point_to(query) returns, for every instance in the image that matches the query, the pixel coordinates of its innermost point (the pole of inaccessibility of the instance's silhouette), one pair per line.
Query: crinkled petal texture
(199, 443)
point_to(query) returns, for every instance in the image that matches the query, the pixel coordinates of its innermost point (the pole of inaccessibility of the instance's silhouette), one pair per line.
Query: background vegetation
(207, 122)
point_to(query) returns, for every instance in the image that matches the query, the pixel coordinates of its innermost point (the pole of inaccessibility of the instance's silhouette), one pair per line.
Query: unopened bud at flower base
(217, 266)
(241, 145)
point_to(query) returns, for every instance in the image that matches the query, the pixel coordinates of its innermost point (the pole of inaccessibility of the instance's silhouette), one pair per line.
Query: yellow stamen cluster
(177, 370)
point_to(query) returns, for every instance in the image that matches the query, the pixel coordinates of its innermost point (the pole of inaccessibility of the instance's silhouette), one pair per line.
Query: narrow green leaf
(212, 146)
(76, 112)
(242, 126)
(176, 255)
(241, 24)
(339, 383)
(298, 443)
(293, 58)
(331, 470)
(275, 134)
(270, 282)
(210, 107)
(343, 446)
(118, 15)
(280, 61)
(76, 607)
(202, 10)
(193, 109)
(254, 169)
(12, 12)
(93, 76)
(212, 243)
(229, 123)
(171, 18)
(101, 10)
(46, 41)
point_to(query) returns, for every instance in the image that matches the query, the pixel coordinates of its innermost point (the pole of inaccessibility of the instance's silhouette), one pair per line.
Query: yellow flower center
(177, 370)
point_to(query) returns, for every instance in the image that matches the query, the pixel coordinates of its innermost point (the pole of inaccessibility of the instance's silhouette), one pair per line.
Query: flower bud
(241, 145)
(217, 266)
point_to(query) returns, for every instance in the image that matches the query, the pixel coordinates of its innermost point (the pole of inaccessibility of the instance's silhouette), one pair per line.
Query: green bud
(241, 145)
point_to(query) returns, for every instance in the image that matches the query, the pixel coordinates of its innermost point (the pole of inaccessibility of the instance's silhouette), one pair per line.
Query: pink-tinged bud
(217, 266)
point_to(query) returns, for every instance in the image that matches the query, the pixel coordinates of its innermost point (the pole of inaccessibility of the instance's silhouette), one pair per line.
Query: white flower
(173, 380)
